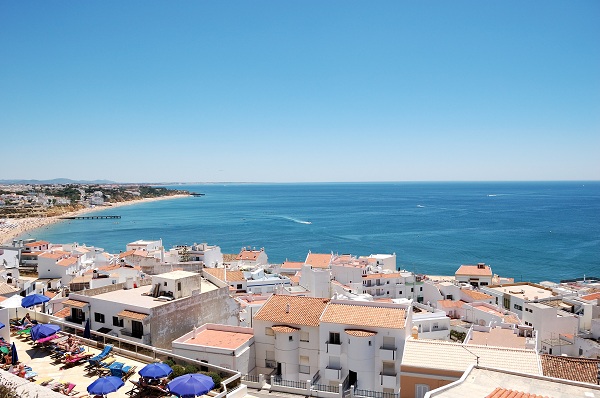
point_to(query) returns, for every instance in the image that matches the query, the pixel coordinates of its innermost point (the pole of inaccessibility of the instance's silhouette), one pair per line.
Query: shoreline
(15, 227)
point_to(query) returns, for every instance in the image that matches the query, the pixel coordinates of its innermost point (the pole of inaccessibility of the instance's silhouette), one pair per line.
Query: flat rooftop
(524, 291)
(137, 297)
(220, 339)
(498, 337)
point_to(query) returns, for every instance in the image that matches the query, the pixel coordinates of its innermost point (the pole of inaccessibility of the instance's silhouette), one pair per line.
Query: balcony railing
(334, 348)
(387, 353)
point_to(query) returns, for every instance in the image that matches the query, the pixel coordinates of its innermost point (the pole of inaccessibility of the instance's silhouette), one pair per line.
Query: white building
(230, 347)
(155, 314)
(514, 296)
(286, 335)
(361, 342)
(476, 275)
(252, 257)
(209, 255)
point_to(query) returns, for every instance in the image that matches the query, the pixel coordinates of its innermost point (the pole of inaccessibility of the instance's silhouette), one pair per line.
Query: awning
(75, 303)
(136, 316)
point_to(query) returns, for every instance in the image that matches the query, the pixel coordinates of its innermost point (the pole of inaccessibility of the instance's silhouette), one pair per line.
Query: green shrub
(216, 379)
(191, 369)
(178, 370)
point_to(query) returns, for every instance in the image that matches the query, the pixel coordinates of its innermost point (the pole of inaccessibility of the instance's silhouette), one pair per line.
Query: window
(421, 289)
(290, 338)
(518, 307)
(421, 390)
(400, 291)
(98, 317)
(269, 331)
(369, 343)
(239, 286)
(581, 351)
(412, 289)
(334, 338)
(178, 286)
(137, 329)
(117, 321)
(304, 365)
(304, 336)
(165, 284)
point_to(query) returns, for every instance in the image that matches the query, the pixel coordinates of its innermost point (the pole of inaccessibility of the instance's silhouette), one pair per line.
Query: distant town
(328, 325)
(41, 200)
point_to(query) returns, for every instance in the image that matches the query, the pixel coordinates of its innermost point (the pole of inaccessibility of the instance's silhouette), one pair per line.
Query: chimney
(415, 332)
(287, 308)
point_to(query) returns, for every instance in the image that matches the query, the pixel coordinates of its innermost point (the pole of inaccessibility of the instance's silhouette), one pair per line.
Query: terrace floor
(45, 366)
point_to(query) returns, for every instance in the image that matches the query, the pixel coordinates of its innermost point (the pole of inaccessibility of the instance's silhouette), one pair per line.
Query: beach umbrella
(86, 332)
(105, 385)
(190, 385)
(34, 299)
(41, 330)
(14, 357)
(155, 370)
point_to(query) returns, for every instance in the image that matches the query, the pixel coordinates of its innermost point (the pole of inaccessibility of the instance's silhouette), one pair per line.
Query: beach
(11, 228)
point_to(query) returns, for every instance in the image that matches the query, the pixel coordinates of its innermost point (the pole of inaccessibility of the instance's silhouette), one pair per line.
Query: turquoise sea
(527, 230)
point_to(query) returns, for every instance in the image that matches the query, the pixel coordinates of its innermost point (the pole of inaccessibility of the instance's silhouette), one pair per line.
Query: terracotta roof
(50, 294)
(65, 262)
(360, 333)
(2, 298)
(220, 339)
(229, 257)
(570, 368)
(452, 356)
(511, 318)
(250, 255)
(363, 315)
(318, 260)
(292, 310)
(54, 255)
(219, 273)
(75, 303)
(38, 243)
(475, 295)
(382, 276)
(450, 303)
(127, 253)
(291, 265)
(65, 312)
(5, 288)
(474, 270)
(592, 296)
(295, 279)
(504, 393)
(31, 254)
(137, 316)
(284, 329)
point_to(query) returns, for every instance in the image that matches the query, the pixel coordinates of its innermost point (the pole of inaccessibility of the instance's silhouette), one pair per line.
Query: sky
(300, 91)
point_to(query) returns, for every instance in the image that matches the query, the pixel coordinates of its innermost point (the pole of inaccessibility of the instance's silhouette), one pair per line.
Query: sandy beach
(11, 228)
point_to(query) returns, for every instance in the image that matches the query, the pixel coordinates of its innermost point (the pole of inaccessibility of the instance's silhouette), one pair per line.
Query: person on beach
(26, 321)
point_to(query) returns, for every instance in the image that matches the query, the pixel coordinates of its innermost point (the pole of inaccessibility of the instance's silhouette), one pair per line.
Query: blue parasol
(14, 356)
(41, 330)
(86, 332)
(155, 370)
(33, 299)
(190, 385)
(105, 385)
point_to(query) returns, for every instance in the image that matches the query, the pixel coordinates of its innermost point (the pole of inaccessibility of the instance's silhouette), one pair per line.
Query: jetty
(88, 217)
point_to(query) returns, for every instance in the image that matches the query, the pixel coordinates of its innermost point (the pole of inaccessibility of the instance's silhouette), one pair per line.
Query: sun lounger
(102, 368)
(72, 360)
(95, 360)
(44, 381)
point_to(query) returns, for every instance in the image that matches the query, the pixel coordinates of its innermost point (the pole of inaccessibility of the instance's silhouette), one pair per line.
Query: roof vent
(287, 308)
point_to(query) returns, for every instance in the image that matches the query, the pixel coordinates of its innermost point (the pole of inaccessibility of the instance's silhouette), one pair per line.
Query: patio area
(47, 367)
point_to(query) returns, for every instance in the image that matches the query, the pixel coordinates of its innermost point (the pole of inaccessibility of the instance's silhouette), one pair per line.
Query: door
(137, 329)
(352, 378)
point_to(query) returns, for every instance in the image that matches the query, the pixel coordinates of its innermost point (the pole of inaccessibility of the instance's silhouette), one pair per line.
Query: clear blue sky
(288, 91)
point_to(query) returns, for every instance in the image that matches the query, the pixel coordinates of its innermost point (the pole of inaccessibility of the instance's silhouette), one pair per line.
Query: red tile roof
(220, 339)
(65, 312)
(133, 315)
(363, 315)
(592, 296)
(475, 295)
(504, 393)
(450, 303)
(249, 255)
(292, 310)
(360, 333)
(292, 265)
(232, 276)
(284, 329)
(382, 276)
(38, 243)
(570, 368)
(474, 270)
(317, 260)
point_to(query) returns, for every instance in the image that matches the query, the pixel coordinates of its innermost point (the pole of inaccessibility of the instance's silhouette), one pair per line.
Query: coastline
(14, 227)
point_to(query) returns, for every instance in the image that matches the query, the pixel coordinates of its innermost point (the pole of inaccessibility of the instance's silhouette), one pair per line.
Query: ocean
(531, 231)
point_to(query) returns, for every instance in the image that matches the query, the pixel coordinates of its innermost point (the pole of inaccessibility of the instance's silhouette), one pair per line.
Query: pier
(89, 217)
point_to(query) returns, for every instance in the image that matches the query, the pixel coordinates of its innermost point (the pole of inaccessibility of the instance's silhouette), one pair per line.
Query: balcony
(331, 373)
(387, 353)
(142, 338)
(78, 321)
(334, 348)
(388, 380)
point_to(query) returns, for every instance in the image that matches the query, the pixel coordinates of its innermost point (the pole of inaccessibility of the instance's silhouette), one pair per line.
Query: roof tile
(292, 310)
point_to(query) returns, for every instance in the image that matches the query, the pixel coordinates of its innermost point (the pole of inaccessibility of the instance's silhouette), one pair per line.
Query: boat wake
(296, 220)
(420, 206)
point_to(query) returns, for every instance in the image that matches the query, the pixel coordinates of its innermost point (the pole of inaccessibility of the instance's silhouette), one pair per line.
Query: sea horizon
(538, 230)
